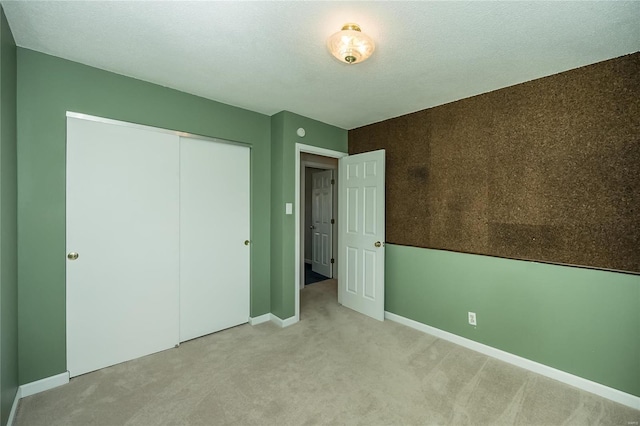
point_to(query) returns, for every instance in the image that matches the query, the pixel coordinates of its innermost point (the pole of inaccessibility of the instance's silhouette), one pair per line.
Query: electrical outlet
(472, 318)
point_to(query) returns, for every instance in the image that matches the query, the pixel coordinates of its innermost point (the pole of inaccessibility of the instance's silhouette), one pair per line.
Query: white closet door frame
(173, 330)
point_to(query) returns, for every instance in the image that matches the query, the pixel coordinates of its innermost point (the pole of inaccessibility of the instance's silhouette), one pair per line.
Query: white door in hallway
(214, 226)
(122, 211)
(321, 217)
(361, 228)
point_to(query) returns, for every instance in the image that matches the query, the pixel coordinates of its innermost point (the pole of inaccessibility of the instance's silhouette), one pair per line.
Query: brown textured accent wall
(546, 170)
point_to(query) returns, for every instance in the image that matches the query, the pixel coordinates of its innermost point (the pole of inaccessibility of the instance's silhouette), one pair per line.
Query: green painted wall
(277, 210)
(8, 223)
(582, 321)
(284, 139)
(47, 88)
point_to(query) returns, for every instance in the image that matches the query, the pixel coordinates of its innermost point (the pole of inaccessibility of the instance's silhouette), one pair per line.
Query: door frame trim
(309, 149)
(88, 117)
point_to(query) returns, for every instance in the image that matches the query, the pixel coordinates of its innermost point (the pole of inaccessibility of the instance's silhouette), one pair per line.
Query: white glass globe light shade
(350, 45)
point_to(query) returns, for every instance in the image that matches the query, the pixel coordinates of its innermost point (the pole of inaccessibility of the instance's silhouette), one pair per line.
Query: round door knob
(72, 256)
(246, 242)
(378, 244)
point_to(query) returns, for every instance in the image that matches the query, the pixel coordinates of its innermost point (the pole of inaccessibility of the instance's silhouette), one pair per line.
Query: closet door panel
(214, 224)
(122, 220)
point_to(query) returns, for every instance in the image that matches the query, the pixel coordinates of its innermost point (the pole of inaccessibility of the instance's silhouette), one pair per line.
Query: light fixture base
(351, 26)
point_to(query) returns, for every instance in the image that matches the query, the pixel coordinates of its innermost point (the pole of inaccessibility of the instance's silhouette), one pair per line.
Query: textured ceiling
(271, 56)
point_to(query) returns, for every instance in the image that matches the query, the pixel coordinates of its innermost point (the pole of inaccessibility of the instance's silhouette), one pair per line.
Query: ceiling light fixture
(351, 45)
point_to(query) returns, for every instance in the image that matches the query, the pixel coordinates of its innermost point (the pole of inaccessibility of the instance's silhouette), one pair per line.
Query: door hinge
(333, 221)
(333, 260)
(333, 181)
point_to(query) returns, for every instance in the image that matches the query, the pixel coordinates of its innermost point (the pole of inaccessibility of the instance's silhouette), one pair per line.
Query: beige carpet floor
(334, 367)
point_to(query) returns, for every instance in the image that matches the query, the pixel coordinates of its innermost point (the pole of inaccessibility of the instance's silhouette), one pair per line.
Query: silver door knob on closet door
(72, 256)
(378, 244)
(247, 242)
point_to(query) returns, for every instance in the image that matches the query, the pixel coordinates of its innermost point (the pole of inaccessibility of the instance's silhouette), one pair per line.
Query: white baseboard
(274, 319)
(260, 319)
(42, 385)
(33, 388)
(14, 408)
(561, 376)
(283, 322)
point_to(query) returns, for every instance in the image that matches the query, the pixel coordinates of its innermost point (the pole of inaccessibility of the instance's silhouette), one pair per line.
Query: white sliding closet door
(214, 225)
(122, 220)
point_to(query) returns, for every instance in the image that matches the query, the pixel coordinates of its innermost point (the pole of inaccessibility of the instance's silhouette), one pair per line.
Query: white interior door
(122, 221)
(321, 216)
(361, 233)
(214, 225)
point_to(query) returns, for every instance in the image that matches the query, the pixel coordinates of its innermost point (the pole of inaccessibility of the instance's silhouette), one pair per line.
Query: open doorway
(318, 210)
(312, 160)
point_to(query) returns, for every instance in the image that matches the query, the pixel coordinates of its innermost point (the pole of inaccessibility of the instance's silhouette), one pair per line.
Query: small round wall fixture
(351, 45)
(301, 132)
